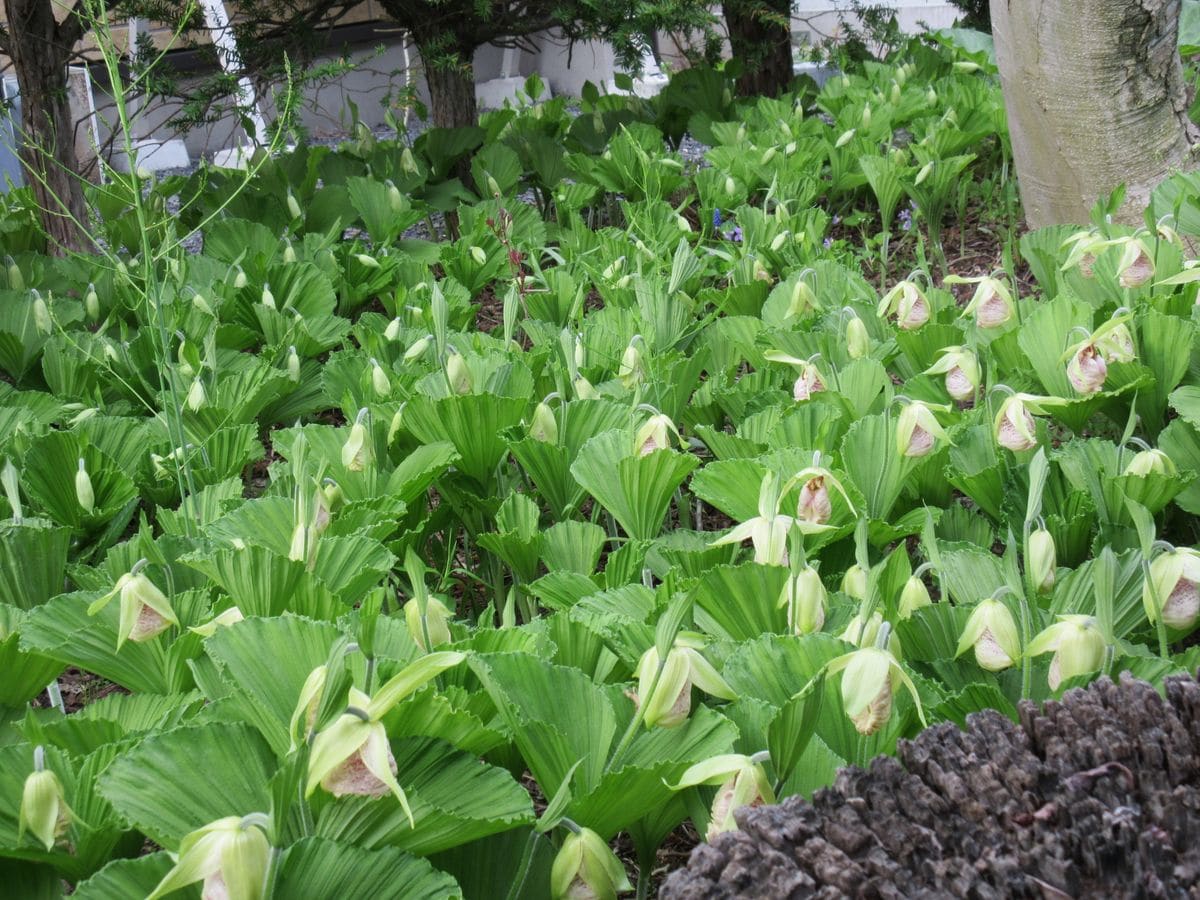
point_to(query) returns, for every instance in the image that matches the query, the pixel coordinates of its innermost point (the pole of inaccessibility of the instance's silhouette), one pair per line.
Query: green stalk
(636, 721)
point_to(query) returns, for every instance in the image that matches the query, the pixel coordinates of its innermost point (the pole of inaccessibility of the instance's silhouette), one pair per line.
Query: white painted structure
(814, 21)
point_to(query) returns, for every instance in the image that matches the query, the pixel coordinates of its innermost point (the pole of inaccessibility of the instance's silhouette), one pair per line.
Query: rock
(1097, 795)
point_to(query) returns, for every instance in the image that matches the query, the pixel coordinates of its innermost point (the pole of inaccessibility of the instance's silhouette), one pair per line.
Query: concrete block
(154, 156)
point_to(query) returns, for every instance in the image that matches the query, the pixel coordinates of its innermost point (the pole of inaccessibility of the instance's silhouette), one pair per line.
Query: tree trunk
(47, 130)
(762, 42)
(1095, 98)
(451, 88)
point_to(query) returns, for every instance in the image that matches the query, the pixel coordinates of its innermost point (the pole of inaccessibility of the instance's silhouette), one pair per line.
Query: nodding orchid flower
(1077, 645)
(918, 430)
(1172, 589)
(665, 686)
(907, 304)
(992, 632)
(991, 304)
(961, 369)
(809, 380)
(742, 782)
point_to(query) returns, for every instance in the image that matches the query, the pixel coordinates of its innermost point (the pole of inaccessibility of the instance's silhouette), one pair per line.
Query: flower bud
(768, 155)
(293, 365)
(914, 596)
(457, 372)
(437, 623)
(858, 342)
(1150, 462)
(587, 869)
(392, 332)
(289, 252)
(408, 164)
(844, 138)
(805, 598)
(803, 299)
(730, 186)
(83, 489)
(367, 260)
(356, 452)
(418, 348)
(683, 224)
(1077, 645)
(16, 281)
(201, 304)
(584, 390)
(196, 395)
(544, 426)
(1043, 559)
(854, 582)
(630, 372)
(231, 856)
(293, 206)
(395, 198)
(924, 173)
(43, 812)
(479, 255)
(918, 430)
(1087, 370)
(268, 299)
(41, 314)
(379, 380)
(992, 632)
(613, 269)
(1173, 588)
(91, 303)
(779, 240)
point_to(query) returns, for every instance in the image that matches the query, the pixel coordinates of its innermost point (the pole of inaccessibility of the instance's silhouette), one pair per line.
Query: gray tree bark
(1095, 96)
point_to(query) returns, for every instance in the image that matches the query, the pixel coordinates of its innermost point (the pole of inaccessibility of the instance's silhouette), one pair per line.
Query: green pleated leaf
(123, 879)
(502, 859)
(557, 717)
(1181, 441)
(877, 469)
(657, 757)
(453, 796)
(1075, 593)
(174, 782)
(1046, 334)
(25, 674)
(266, 583)
(49, 477)
(573, 546)
(33, 561)
(969, 573)
(318, 869)
(30, 881)
(637, 490)
(976, 470)
(972, 699)
(549, 467)
(268, 661)
(739, 603)
(473, 423)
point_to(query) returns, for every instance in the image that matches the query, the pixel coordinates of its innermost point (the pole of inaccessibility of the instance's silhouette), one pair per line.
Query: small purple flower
(905, 218)
(828, 242)
(836, 220)
(736, 234)
(717, 217)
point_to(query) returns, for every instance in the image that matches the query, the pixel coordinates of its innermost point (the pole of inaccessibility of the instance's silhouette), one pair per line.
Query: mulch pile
(1094, 796)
